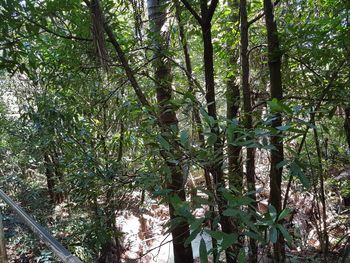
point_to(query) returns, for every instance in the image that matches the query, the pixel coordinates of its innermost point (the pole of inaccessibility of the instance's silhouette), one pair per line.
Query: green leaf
(237, 201)
(247, 143)
(163, 142)
(283, 127)
(253, 235)
(196, 224)
(272, 212)
(241, 256)
(184, 138)
(285, 233)
(228, 240)
(212, 138)
(285, 212)
(244, 200)
(296, 171)
(216, 221)
(218, 235)
(281, 164)
(332, 112)
(173, 223)
(192, 236)
(208, 119)
(175, 201)
(231, 212)
(203, 253)
(201, 200)
(162, 192)
(273, 234)
(278, 106)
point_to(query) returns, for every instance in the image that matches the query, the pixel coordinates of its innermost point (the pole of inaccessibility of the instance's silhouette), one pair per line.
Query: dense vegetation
(234, 116)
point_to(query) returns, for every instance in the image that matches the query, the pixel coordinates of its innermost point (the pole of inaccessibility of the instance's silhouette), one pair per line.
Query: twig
(192, 11)
(48, 30)
(261, 15)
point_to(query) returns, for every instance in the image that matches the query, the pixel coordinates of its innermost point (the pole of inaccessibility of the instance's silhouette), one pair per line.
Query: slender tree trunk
(347, 124)
(196, 119)
(233, 100)
(324, 240)
(247, 118)
(53, 177)
(216, 168)
(61, 195)
(157, 16)
(50, 177)
(167, 118)
(198, 126)
(276, 90)
(111, 248)
(234, 167)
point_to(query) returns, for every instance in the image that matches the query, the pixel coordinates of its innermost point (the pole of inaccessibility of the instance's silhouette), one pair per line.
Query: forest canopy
(217, 129)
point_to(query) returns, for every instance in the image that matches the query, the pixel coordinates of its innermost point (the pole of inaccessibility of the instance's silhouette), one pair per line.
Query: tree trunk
(233, 100)
(347, 124)
(167, 117)
(247, 118)
(50, 178)
(234, 166)
(196, 119)
(157, 16)
(325, 239)
(276, 91)
(216, 168)
(53, 177)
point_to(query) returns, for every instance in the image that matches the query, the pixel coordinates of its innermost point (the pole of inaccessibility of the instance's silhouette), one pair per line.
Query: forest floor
(146, 240)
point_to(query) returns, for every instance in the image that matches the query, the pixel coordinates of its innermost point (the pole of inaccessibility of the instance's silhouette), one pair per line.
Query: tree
(169, 124)
(276, 90)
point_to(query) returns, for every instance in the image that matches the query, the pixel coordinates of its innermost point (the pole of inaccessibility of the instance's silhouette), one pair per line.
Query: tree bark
(196, 119)
(247, 118)
(276, 91)
(347, 124)
(216, 168)
(50, 178)
(325, 239)
(162, 73)
(53, 177)
(232, 106)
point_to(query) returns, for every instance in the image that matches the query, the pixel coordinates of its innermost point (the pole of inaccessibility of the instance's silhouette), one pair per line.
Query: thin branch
(306, 65)
(188, 74)
(48, 30)
(19, 39)
(312, 120)
(192, 11)
(162, 243)
(139, 93)
(211, 11)
(335, 100)
(255, 47)
(261, 15)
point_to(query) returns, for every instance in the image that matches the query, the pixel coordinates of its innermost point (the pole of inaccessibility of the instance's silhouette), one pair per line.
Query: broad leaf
(203, 253)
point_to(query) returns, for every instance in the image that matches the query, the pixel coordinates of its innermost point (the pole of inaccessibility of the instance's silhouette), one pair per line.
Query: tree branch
(261, 14)
(126, 66)
(192, 11)
(211, 10)
(312, 120)
(48, 30)
(124, 61)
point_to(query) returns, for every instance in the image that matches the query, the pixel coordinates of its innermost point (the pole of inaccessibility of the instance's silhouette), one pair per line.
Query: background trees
(204, 106)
